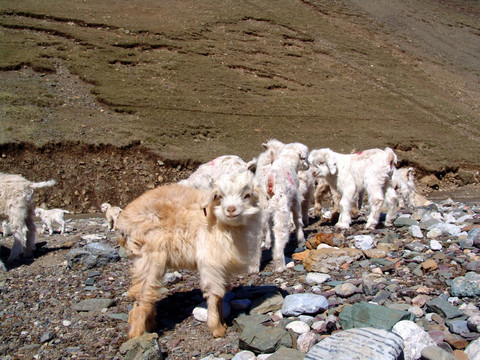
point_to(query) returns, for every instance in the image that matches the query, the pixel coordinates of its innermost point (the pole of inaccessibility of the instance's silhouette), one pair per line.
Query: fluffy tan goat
(216, 232)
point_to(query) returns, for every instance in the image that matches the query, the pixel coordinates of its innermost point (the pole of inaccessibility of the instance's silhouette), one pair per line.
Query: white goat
(111, 214)
(178, 227)
(404, 184)
(206, 174)
(50, 217)
(280, 184)
(16, 204)
(351, 174)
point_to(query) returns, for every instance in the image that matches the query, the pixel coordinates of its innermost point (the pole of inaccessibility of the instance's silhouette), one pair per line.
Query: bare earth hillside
(112, 98)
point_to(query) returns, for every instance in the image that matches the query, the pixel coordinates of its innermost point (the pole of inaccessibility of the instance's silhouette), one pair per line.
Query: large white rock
(414, 338)
(473, 350)
(363, 242)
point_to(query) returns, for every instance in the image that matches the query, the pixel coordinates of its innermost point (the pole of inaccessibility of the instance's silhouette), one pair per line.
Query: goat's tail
(37, 185)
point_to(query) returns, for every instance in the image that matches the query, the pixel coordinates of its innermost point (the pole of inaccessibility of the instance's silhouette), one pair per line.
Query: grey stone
(415, 231)
(443, 308)
(370, 315)
(447, 229)
(402, 221)
(119, 316)
(473, 350)
(261, 339)
(436, 353)
(424, 225)
(269, 302)
(474, 235)
(298, 304)
(468, 285)
(458, 326)
(47, 336)
(246, 321)
(93, 304)
(92, 255)
(358, 344)
(144, 347)
(286, 354)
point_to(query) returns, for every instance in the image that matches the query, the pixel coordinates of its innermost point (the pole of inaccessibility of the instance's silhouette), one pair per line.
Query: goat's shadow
(41, 249)
(178, 306)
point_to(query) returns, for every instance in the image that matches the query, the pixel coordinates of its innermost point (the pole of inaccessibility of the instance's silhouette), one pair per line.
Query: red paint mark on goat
(359, 153)
(270, 185)
(289, 178)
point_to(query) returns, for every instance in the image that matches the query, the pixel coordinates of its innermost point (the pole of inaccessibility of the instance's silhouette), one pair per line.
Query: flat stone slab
(358, 344)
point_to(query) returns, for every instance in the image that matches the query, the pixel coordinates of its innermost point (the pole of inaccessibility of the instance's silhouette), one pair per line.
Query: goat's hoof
(219, 331)
(342, 226)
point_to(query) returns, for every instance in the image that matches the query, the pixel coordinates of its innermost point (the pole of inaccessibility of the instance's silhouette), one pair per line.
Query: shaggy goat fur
(352, 174)
(177, 227)
(111, 214)
(16, 204)
(206, 174)
(280, 183)
(50, 217)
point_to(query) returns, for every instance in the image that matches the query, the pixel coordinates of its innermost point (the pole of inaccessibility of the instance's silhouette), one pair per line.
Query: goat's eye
(246, 196)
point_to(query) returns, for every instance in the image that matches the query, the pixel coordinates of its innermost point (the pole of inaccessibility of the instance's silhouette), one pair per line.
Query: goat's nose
(231, 209)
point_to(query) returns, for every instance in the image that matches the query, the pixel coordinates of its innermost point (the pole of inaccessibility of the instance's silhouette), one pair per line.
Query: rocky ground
(45, 310)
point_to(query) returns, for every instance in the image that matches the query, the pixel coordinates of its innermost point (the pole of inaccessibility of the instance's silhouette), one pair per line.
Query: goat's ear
(252, 165)
(209, 198)
(331, 163)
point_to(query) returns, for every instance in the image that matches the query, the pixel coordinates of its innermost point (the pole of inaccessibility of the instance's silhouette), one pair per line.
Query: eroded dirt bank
(88, 175)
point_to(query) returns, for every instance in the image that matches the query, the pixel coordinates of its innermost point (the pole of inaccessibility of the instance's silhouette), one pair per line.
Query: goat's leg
(345, 209)
(215, 320)
(391, 201)
(30, 237)
(281, 233)
(375, 200)
(147, 273)
(19, 230)
(297, 220)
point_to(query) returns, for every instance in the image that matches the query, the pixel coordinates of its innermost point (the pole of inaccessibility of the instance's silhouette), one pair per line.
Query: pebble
(298, 327)
(317, 278)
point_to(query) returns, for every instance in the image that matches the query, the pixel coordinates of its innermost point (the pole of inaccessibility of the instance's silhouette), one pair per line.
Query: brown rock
(460, 355)
(456, 341)
(430, 265)
(324, 260)
(300, 256)
(322, 238)
(375, 253)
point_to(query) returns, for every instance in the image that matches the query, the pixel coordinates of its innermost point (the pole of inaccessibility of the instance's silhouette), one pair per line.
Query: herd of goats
(217, 220)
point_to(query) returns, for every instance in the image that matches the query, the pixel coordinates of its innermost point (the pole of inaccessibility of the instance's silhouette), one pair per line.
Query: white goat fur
(206, 174)
(351, 174)
(404, 184)
(16, 204)
(177, 227)
(280, 183)
(50, 217)
(111, 214)
(306, 186)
